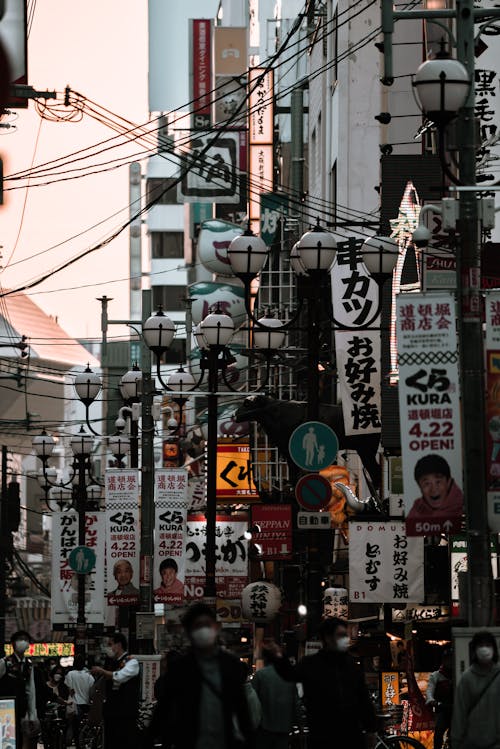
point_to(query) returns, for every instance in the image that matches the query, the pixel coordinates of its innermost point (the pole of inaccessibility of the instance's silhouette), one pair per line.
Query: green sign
(273, 207)
(82, 560)
(313, 446)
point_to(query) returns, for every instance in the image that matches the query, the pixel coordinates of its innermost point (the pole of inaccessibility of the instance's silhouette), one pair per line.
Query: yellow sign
(234, 477)
(390, 688)
(46, 649)
(8, 724)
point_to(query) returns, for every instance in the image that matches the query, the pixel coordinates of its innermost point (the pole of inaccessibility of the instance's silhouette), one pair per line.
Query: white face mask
(57, 677)
(204, 637)
(20, 646)
(484, 653)
(343, 644)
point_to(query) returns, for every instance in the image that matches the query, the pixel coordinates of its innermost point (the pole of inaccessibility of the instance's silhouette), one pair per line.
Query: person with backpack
(476, 715)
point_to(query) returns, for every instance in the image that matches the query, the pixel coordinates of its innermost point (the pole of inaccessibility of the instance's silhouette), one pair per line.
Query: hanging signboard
(355, 301)
(429, 405)
(273, 210)
(171, 501)
(232, 556)
(459, 564)
(210, 169)
(64, 589)
(385, 566)
(234, 475)
(122, 536)
(261, 106)
(492, 314)
(201, 72)
(272, 531)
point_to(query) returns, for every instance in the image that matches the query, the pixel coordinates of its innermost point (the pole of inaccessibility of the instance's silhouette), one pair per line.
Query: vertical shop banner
(429, 407)
(8, 724)
(64, 591)
(171, 503)
(260, 138)
(122, 536)
(355, 301)
(201, 72)
(232, 556)
(385, 566)
(492, 315)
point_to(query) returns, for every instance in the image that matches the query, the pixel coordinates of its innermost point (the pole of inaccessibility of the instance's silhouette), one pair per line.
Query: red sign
(274, 534)
(313, 492)
(202, 72)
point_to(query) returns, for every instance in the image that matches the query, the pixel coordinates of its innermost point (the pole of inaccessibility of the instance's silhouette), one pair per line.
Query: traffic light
(13, 509)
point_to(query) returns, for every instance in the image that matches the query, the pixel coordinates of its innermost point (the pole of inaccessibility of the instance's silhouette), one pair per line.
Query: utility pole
(5, 542)
(480, 583)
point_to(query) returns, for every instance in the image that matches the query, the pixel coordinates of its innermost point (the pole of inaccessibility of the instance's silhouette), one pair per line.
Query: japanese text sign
(171, 501)
(385, 566)
(260, 84)
(122, 536)
(429, 405)
(492, 308)
(273, 530)
(355, 301)
(234, 478)
(213, 174)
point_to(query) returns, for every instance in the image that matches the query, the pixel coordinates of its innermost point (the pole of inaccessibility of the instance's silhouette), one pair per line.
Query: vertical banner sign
(232, 556)
(122, 536)
(492, 309)
(201, 72)
(429, 406)
(385, 566)
(171, 501)
(64, 591)
(355, 301)
(261, 133)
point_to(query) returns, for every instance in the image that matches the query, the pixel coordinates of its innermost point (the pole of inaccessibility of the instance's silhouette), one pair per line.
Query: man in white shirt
(80, 682)
(122, 695)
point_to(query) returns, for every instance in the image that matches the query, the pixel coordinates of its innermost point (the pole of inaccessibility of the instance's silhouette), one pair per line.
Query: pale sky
(100, 50)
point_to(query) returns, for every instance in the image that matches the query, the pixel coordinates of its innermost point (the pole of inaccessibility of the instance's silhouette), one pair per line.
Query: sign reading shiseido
(429, 403)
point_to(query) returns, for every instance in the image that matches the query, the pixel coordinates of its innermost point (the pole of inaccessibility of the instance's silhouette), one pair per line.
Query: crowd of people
(205, 699)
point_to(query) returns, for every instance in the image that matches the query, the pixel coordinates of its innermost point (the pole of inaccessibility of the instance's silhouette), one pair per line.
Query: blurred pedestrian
(204, 703)
(335, 694)
(121, 696)
(439, 696)
(17, 680)
(79, 682)
(279, 706)
(476, 716)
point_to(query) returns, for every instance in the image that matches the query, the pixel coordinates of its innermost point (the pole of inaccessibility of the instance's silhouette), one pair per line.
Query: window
(167, 244)
(169, 297)
(162, 191)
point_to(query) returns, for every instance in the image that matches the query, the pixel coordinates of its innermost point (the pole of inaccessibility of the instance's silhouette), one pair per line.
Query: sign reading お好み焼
(429, 405)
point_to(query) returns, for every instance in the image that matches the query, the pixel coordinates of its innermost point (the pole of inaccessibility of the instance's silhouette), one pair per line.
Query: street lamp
(131, 390)
(442, 86)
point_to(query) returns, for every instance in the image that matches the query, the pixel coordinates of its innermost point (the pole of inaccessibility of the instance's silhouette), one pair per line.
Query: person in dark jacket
(339, 709)
(203, 702)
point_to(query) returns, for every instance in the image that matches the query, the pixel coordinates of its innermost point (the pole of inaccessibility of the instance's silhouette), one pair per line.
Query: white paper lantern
(260, 601)
(336, 603)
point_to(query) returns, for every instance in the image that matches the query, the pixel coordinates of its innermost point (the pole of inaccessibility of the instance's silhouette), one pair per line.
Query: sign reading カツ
(355, 301)
(385, 566)
(429, 405)
(171, 501)
(122, 536)
(232, 556)
(64, 593)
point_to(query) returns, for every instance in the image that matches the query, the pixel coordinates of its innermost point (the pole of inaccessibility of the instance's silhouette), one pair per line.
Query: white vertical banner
(429, 408)
(122, 536)
(64, 589)
(385, 566)
(171, 503)
(355, 301)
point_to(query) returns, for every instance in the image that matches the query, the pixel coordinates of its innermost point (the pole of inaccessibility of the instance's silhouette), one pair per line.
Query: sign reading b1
(313, 446)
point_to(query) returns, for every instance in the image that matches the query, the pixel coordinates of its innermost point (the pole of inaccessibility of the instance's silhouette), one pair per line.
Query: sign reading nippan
(234, 476)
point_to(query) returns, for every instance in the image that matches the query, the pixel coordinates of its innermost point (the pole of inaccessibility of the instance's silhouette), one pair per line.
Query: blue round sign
(313, 446)
(313, 492)
(82, 560)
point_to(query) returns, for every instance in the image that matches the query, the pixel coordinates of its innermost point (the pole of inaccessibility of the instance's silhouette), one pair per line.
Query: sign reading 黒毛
(82, 560)
(313, 446)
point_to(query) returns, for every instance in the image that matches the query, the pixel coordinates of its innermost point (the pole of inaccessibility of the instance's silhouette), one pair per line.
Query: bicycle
(386, 740)
(53, 727)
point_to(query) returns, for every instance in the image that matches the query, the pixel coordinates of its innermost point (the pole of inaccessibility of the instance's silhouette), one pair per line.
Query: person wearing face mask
(338, 705)
(203, 700)
(17, 680)
(121, 695)
(476, 715)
